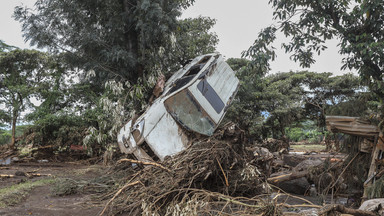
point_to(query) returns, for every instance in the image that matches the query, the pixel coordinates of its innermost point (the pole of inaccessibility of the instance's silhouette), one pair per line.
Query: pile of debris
(203, 179)
(184, 172)
(222, 174)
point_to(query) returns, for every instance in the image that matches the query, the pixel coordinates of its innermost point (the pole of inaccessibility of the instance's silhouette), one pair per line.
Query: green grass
(14, 194)
(307, 147)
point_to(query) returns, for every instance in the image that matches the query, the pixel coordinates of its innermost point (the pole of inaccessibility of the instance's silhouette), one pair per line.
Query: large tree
(121, 38)
(117, 48)
(266, 105)
(357, 24)
(22, 74)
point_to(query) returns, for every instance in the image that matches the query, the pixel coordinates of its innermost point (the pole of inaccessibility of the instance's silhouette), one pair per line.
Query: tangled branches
(200, 180)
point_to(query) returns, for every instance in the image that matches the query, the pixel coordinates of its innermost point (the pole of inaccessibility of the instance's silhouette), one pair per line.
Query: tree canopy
(357, 24)
(266, 105)
(113, 38)
(116, 50)
(23, 74)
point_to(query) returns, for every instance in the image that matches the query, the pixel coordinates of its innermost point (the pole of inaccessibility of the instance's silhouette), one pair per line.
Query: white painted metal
(166, 138)
(223, 81)
(158, 128)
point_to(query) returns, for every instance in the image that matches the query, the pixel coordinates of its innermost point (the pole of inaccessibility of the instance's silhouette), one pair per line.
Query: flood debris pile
(203, 179)
(276, 145)
(185, 165)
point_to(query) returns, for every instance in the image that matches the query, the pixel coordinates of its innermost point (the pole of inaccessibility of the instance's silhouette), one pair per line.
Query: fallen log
(287, 177)
(30, 175)
(6, 176)
(342, 209)
(144, 163)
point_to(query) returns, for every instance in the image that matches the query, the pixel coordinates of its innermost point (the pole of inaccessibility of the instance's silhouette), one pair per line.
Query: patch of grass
(307, 147)
(14, 194)
(68, 186)
(65, 186)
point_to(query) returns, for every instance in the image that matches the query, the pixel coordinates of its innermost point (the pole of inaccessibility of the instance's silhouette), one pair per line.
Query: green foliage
(117, 49)
(5, 47)
(295, 134)
(192, 38)
(124, 39)
(309, 24)
(305, 131)
(274, 105)
(358, 25)
(246, 108)
(5, 137)
(22, 74)
(58, 130)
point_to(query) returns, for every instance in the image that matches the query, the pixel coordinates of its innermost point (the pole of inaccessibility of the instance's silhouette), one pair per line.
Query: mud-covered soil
(40, 199)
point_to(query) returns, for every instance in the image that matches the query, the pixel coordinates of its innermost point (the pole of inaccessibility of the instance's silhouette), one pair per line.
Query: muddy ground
(38, 197)
(31, 188)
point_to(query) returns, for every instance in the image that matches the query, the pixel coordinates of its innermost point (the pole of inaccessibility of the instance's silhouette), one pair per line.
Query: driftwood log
(287, 177)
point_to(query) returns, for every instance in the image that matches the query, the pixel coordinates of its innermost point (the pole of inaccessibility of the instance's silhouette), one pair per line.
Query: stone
(297, 186)
(304, 165)
(292, 159)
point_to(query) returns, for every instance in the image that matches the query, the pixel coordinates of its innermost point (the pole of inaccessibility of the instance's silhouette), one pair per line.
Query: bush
(5, 137)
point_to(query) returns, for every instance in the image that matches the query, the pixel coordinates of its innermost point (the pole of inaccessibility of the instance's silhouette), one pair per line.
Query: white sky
(238, 23)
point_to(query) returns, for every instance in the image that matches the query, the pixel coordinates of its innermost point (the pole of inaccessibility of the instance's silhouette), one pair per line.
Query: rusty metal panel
(351, 125)
(380, 142)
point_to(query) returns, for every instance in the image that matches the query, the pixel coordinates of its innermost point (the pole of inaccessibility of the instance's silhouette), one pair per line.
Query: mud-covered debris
(209, 176)
(373, 205)
(293, 159)
(276, 145)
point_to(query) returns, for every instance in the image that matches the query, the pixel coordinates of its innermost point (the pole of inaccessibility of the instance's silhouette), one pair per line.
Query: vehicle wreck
(195, 99)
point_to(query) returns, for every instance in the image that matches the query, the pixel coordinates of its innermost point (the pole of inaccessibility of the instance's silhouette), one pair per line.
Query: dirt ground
(40, 200)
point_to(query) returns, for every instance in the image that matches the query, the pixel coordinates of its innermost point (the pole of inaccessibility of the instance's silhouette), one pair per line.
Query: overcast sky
(238, 23)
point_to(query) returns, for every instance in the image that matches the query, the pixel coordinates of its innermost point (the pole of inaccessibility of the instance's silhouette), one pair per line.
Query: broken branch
(225, 176)
(117, 193)
(301, 205)
(6, 176)
(144, 163)
(287, 177)
(36, 174)
(344, 170)
(241, 203)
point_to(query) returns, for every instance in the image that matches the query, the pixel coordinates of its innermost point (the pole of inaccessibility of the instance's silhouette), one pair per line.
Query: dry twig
(144, 163)
(117, 194)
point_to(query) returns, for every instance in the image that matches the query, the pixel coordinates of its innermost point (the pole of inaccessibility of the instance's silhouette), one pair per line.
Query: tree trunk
(13, 139)
(132, 36)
